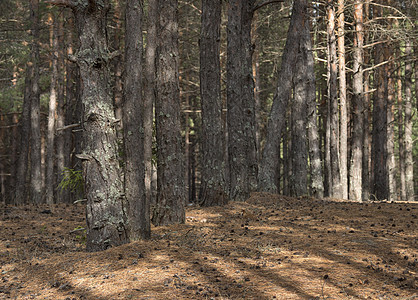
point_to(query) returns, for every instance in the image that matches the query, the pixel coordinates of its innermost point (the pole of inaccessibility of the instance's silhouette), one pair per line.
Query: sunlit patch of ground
(269, 247)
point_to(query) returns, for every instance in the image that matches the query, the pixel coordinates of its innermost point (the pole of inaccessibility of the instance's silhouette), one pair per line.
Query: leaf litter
(268, 247)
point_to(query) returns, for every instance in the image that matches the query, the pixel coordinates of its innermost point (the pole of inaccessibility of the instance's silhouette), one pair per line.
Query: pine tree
(212, 188)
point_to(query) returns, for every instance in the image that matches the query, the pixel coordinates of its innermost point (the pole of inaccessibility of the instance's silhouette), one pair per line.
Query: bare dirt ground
(269, 247)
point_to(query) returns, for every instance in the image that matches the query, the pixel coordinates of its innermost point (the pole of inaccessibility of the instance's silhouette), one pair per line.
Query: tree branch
(68, 126)
(8, 126)
(264, 3)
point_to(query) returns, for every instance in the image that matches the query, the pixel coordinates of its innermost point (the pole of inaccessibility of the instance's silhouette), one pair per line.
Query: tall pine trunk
(401, 131)
(20, 196)
(343, 100)
(137, 204)
(14, 140)
(366, 150)
(36, 185)
(149, 94)
(306, 68)
(61, 150)
(299, 154)
(73, 106)
(391, 164)
(106, 219)
(50, 149)
(171, 192)
(379, 133)
(212, 187)
(118, 66)
(242, 152)
(333, 132)
(269, 165)
(408, 137)
(355, 191)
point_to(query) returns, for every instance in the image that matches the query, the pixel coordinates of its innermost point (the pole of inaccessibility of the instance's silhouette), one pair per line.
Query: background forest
(291, 97)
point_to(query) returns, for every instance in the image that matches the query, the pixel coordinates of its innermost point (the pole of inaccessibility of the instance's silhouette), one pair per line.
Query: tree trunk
(14, 138)
(366, 166)
(138, 206)
(268, 174)
(73, 107)
(20, 197)
(408, 138)
(306, 78)
(304, 96)
(355, 191)
(242, 152)
(335, 186)
(401, 129)
(287, 145)
(379, 134)
(366, 151)
(212, 188)
(118, 66)
(50, 148)
(61, 154)
(299, 177)
(149, 94)
(343, 100)
(171, 194)
(106, 219)
(35, 152)
(391, 164)
(257, 83)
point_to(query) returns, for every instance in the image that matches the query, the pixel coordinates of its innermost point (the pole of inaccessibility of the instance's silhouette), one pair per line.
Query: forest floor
(269, 247)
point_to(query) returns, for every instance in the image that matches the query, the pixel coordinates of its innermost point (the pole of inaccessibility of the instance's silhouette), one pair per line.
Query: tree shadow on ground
(269, 246)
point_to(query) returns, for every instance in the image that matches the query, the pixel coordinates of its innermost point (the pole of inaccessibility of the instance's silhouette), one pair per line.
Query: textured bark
(366, 166)
(118, 65)
(307, 81)
(171, 194)
(14, 140)
(333, 132)
(242, 152)
(212, 188)
(187, 145)
(62, 153)
(73, 107)
(267, 180)
(343, 100)
(355, 191)
(35, 152)
(401, 132)
(303, 95)
(20, 196)
(327, 141)
(149, 94)
(106, 220)
(379, 133)
(50, 148)
(287, 166)
(408, 138)
(299, 154)
(391, 164)
(257, 82)
(137, 204)
(366, 151)
(322, 120)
